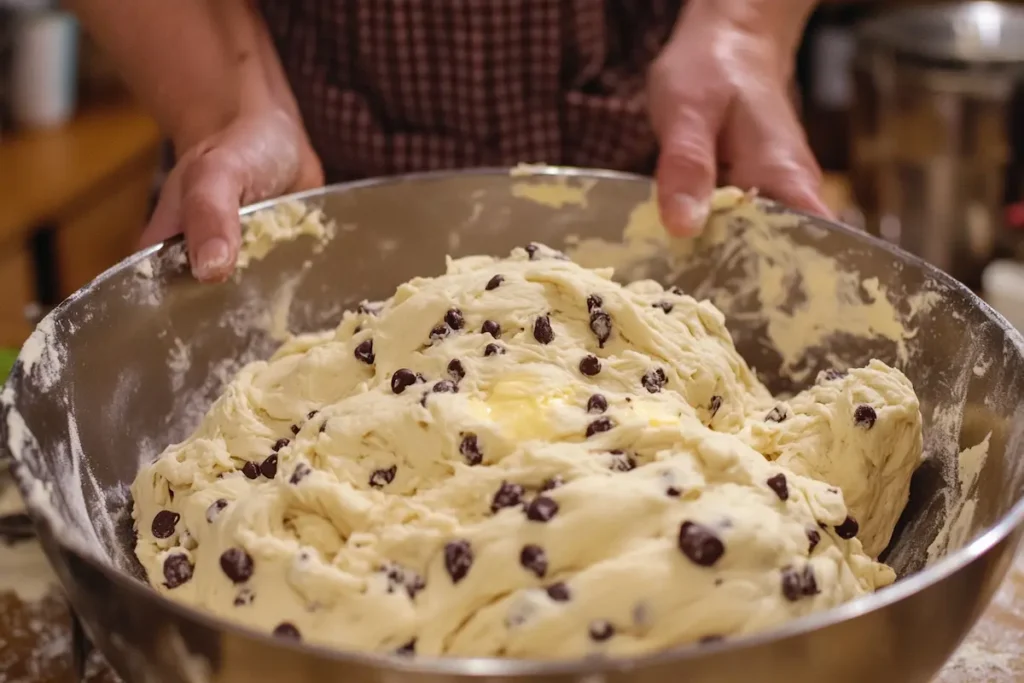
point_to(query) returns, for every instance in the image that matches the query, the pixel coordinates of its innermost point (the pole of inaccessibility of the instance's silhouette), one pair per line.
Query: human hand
(719, 103)
(257, 155)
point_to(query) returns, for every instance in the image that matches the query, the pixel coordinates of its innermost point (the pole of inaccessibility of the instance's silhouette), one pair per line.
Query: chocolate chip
(287, 631)
(508, 495)
(164, 523)
(559, 592)
(445, 386)
(791, 586)
(777, 483)
(552, 483)
(492, 328)
(663, 305)
(381, 478)
(601, 326)
(542, 331)
(458, 559)
(402, 379)
(236, 564)
(673, 492)
(323, 427)
(311, 414)
(601, 424)
(776, 414)
(453, 318)
(494, 282)
(848, 529)
(494, 350)
(301, 472)
(364, 352)
(268, 468)
(601, 630)
(295, 429)
(251, 470)
(813, 538)
(597, 404)
(864, 417)
(532, 249)
(831, 375)
(402, 577)
(796, 585)
(542, 509)
(534, 559)
(654, 380)
(244, 597)
(621, 462)
(455, 370)
(594, 301)
(409, 648)
(279, 444)
(215, 509)
(439, 332)
(715, 405)
(177, 570)
(678, 291)
(370, 307)
(590, 365)
(469, 447)
(700, 544)
(810, 583)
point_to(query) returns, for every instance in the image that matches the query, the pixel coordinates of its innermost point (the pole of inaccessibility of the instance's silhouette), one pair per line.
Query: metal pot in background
(937, 158)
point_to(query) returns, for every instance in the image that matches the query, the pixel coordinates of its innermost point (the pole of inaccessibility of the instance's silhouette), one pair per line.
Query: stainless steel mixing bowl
(129, 363)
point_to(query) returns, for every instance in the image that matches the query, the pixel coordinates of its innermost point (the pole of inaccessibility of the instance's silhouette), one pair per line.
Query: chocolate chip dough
(523, 458)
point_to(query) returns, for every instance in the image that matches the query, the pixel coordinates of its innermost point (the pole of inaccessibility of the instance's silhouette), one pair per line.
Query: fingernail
(212, 258)
(693, 213)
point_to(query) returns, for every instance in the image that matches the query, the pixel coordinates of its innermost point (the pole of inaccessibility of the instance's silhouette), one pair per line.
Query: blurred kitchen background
(911, 107)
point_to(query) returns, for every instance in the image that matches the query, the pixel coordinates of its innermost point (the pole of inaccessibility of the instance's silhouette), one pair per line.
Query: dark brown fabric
(397, 86)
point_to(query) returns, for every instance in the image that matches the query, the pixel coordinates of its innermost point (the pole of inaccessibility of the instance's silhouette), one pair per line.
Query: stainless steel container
(129, 363)
(935, 158)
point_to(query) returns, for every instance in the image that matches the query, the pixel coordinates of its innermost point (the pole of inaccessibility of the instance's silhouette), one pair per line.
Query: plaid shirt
(397, 86)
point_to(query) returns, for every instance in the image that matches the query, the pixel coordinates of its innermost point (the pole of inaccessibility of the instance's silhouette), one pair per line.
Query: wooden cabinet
(17, 292)
(103, 229)
(73, 202)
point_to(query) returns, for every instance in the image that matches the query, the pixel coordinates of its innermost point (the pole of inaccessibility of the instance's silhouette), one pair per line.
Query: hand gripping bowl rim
(466, 666)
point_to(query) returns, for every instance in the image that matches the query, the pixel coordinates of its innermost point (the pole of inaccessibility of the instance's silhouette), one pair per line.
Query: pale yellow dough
(345, 563)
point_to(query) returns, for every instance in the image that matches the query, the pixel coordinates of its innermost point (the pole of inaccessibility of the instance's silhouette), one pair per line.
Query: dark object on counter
(15, 528)
(937, 155)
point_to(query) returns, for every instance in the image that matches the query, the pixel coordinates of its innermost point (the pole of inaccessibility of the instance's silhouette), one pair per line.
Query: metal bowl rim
(466, 666)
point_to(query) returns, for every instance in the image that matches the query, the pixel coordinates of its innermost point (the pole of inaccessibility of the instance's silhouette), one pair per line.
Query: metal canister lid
(979, 33)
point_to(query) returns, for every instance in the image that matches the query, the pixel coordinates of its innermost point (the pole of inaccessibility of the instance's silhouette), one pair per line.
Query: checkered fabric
(397, 86)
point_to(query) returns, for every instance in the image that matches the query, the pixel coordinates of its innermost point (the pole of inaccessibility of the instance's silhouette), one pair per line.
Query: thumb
(166, 219)
(211, 192)
(687, 167)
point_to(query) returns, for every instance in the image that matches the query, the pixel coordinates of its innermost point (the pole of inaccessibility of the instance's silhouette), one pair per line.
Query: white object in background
(1002, 285)
(45, 69)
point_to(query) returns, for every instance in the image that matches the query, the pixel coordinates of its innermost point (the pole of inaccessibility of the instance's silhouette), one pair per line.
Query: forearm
(193, 63)
(780, 21)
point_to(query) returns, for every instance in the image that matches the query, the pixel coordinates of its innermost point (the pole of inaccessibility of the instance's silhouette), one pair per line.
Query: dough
(523, 458)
